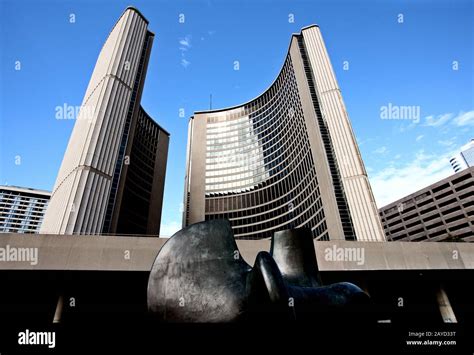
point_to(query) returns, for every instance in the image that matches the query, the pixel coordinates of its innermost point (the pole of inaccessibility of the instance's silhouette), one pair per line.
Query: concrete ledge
(110, 253)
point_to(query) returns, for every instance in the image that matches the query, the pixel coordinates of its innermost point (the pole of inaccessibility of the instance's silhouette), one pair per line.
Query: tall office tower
(22, 209)
(112, 176)
(465, 158)
(285, 159)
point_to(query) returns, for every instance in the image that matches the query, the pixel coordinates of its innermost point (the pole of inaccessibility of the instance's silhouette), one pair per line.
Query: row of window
(285, 193)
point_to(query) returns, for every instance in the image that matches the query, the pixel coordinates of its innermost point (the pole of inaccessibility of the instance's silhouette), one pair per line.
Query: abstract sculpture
(199, 276)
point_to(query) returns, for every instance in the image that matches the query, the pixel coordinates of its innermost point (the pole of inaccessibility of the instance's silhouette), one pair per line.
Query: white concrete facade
(356, 184)
(79, 198)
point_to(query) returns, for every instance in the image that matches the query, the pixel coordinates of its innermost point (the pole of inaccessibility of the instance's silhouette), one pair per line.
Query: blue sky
(402, 53)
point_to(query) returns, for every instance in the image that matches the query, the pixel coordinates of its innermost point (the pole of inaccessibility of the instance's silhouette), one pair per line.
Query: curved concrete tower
(100, 170)
(286, 159)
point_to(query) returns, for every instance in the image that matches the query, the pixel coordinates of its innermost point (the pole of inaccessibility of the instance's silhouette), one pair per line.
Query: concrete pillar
(445, 308)
(59, 309)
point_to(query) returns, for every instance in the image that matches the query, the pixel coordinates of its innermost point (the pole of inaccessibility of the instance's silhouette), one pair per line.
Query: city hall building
(112, 176)
(285, 159)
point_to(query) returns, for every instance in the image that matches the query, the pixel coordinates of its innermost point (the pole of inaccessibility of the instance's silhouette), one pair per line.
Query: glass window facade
(259, 169)
(21, 210)
(141, 176)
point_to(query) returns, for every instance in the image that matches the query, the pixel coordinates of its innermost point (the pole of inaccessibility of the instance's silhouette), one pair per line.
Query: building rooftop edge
(200, 112)
(309, 26)
(133, 8)
(151, 118)
(25, 189)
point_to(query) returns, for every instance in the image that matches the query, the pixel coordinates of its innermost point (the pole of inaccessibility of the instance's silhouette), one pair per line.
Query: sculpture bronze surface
(199, 276)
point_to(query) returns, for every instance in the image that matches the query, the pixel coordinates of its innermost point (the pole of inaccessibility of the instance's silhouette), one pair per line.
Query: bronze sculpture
(199, 276)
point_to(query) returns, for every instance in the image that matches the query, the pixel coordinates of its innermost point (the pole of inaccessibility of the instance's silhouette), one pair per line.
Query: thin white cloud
(439, 120)
(185, 63)
(184, 46)
(185, 42)
(380, 150)
(393, 183)
(407, 127)
(447, 142)
(168, 228)
(464, 119)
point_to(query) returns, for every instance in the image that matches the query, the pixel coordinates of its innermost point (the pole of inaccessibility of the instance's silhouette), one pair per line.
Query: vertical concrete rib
(359, 195)
(86, 171)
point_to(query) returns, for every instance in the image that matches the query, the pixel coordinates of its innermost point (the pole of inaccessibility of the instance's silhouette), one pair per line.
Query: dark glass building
(141, 200)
